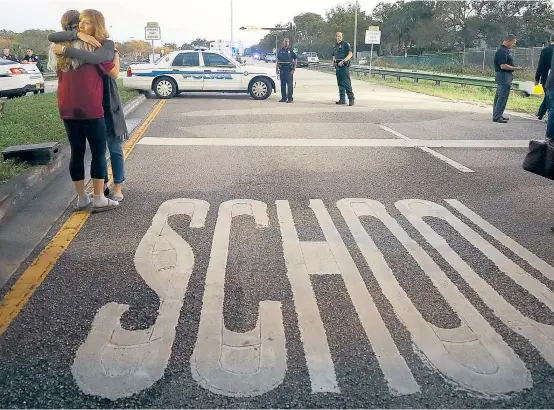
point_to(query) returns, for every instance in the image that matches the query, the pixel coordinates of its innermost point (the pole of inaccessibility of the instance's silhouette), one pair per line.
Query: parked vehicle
(16, 79)
(270, 58)
(200, 70)
(312, 57)
(301, 61)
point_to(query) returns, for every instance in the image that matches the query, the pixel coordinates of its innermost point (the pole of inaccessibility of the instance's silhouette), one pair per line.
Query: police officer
(31, 58)
(342, 54)
(286, 64)
(7, 56)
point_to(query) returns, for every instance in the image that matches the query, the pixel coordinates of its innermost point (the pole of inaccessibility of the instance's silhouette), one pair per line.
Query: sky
(180, 20)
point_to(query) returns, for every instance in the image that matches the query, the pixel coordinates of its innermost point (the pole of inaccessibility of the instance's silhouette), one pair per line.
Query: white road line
(393, 132)
(333, 142)
(537, 263)
(444, 158)
(428, 150)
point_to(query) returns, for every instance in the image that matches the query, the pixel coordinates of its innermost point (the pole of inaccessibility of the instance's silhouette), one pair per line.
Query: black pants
(287, 81)
(344, 83)
(78, 133)
(544, 106)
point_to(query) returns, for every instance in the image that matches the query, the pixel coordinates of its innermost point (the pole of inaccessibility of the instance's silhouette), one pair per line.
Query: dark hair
(510, 37)
(70, 20)
(551, 37)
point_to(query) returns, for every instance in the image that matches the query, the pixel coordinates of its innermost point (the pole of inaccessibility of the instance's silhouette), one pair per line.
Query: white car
(199, 70)
(18, 79)
(270, 58)
(312, 57)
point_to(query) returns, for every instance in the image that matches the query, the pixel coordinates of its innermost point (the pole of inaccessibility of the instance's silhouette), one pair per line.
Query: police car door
(220, 74)
(186, 67)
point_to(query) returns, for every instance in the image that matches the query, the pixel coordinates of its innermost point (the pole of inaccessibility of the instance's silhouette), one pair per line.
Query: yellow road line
(20, 293)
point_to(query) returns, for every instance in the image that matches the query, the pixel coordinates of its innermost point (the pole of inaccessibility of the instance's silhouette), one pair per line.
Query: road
(388, 255)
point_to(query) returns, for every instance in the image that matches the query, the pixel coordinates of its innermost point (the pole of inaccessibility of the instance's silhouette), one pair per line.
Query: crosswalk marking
(331, 142)
(429, 151)
(115, 363)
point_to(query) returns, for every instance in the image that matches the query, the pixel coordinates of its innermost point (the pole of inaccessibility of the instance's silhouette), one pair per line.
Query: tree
(425, 26)
(139, 48)
(309, 27)
(201, 42)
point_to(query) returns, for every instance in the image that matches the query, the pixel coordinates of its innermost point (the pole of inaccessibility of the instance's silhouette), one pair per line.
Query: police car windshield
(232, 60)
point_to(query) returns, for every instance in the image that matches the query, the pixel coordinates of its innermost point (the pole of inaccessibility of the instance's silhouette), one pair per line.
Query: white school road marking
(472, 355)
(428, 150)
(331, 142)
(115, 363)
(232, 363)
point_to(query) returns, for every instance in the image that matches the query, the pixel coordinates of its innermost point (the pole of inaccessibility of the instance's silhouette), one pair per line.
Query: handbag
(540, 159)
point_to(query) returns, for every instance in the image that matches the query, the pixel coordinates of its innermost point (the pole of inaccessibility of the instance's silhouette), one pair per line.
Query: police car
(200, 70)
(18, 79)
(312, 57)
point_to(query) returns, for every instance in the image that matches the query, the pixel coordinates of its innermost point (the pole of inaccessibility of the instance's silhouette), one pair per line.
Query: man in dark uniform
(30, 58)
(504, 75)
(542, 74)
(7, 56)
(286, 64)
(342, 54)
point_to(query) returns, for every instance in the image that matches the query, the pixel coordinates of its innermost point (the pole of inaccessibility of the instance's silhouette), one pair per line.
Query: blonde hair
(69, 22)
(98, 22)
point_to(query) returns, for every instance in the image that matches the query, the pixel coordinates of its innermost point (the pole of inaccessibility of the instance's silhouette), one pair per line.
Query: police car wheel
(165, 88)
(260, 89)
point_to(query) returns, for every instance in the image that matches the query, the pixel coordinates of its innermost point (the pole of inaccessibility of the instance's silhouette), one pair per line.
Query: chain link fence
(478, 59)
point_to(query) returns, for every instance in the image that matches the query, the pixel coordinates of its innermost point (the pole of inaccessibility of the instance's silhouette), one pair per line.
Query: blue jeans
(115, 146)
(550, 125)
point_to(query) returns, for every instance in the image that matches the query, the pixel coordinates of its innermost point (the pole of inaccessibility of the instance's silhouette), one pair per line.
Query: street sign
(152, 24)
(373, 36)
(152, 33)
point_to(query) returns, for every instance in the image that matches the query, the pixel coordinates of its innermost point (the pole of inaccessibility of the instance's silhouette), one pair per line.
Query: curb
(18, 191)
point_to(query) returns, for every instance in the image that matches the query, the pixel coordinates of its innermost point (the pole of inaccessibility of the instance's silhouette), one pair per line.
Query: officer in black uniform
(31, 58)
(286, 64)
(7, 56)
(342, 54)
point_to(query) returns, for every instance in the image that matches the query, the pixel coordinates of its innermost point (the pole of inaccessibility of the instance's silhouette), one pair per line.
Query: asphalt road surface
(387, 255)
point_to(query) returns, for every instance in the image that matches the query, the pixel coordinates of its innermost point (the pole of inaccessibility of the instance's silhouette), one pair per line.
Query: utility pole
(356, 31)
(232, 23)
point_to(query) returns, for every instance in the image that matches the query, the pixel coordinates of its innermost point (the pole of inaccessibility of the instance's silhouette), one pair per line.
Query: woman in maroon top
(80, 92)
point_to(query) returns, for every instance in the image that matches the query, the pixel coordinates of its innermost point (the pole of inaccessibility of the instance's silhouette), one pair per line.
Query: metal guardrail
(525, 87)
(49, 76)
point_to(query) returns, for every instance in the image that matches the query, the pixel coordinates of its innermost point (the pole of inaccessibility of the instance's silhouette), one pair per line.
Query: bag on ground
(540, 159)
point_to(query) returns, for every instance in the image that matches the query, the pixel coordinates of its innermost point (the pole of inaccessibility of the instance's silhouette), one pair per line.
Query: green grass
(517, 102)
(34, 119)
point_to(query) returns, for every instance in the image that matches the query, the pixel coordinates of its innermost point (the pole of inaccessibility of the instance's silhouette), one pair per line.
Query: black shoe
(340, 102)
(500, 121)
(290, 101)
(351, 102)
(282, 100)
(504, 118)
